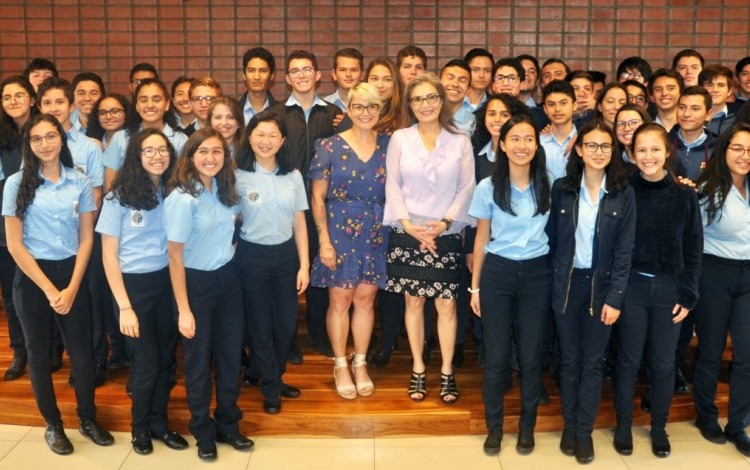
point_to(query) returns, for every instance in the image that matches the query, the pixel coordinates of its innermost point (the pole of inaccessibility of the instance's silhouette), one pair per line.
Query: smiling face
(201, 100)
(720, 89)
(520, 145)
(553, 71)
(664, 93)
(743, 79)
(363, 113)
(598, 159)
(611, 103)
(691, 112)
(266, 140)
(411, 66)
(425, 112)
(738, 160)
(302, 76)
(17, 103)
(626, 124)
(382, 79)
(456, 81)
(46, 143)
(151, 104)
(506, 80)
(650, 153)
(55, 102)
(158, 163)
(224, 121)
(347, 73)
(85, 95)
(181, 99)
(559, 108)
(208, 159)
(495, 116)
(111, 115)
(532, 75)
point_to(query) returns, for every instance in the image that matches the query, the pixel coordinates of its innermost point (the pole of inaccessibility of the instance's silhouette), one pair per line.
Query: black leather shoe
(458, 355)
(429, 345)
(711, 432)
(248, 379)
(525, 443)
(660, 443)
(99, 376)
(379, 359)
(584, 449)
(544, 397)
(623, 440)
(207, 451)
(741, 441)
(272, 407)
(290, 391)
(117, 361)
(55, 362)
(568, 443)
(98, 435)
(646, 401)
(17, 368)
(239, 442)
(142, 444)
(680, 382)
(172, 440)
(56, 439)
(319, 341)
(295, 354)
(493, 441)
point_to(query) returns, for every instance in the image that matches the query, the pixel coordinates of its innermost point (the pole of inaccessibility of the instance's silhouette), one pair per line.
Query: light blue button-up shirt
(292, 101)
(269, 203)
(519, 237)
(335, 99)
(248, 112)
(464, 118)
(51, 227)
(728, 236)
(557, 157)
(488, 152)
(143, 238)
(114, 156)
(204, 225)
(87, 156)
(586, 226)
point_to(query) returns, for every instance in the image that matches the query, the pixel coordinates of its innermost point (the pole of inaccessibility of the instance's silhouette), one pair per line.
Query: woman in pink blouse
(430, 182)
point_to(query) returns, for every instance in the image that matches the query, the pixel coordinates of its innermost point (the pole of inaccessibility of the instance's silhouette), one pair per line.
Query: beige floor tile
(441, 441)
(685, 431)
(688, 455)
(312, 458)
(86, 456)
(548, 455)
(229, 459)
(36, 434)
(9, 432)
(310, 442)
(5, 448)
(448, 458)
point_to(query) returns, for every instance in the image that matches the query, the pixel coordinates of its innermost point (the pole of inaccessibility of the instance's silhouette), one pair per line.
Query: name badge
(81, 168)
(137, 219)
(253, 196)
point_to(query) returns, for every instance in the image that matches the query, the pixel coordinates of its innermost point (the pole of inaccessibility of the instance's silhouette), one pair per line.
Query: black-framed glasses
(360, 108)
(432, 98)
(150, 152)
(512, 79)
(36, 140)
(633, 124)
(593, 147)
(304, 70)
(114, 112)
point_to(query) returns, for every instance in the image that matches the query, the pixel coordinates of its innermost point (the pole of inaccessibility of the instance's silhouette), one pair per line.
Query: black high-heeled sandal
(448, 389)
(417, 389)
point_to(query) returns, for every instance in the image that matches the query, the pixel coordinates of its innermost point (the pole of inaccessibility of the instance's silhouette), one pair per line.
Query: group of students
(578, 219)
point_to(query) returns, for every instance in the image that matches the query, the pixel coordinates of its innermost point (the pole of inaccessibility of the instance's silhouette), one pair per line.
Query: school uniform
(514, 296)
(114, 155)
(143, 259)
(51, 235)
(269, 263)
(205, 226)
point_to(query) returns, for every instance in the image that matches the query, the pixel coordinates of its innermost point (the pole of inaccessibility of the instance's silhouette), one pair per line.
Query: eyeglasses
(360, 108)
(512, 79)
(593, 147)
(633, 124)
(150, 152)
(630, 76)
(432, 98)
(739, 150)
(19, 97)
(297, 72)
(36, 140)
(638, 99)
(203, 99)
(114, 112)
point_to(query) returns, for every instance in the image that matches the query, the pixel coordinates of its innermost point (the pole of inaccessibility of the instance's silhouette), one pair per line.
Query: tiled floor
(23, 447)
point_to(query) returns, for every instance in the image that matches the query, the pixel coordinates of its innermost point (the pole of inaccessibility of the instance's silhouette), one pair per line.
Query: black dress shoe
(544, 397)
(660, 443)
(623, 440)
(711, 432)
(272, 407)
(493, 441)
(584, 449)
(525, 443)
(99, 376)
(207, 451)
(172, 440)
(239, 442)
(117, 361)
(98, 435)
(568, 443)
(17, 368)
(56, 439)
(289, 391)
(295, 354)
(55, 362)
(646, 401)
(379, 359)
(142, 444)
(680, 382)
(458, 355)
(248, 379)
(741, 441)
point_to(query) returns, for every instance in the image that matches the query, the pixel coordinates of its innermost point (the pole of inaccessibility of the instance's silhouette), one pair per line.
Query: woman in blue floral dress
(348, 194)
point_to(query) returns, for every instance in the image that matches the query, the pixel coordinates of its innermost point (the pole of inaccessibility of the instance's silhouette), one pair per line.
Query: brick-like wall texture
(207, 37)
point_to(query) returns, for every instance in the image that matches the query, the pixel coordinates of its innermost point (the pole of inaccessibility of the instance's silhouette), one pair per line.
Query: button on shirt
(728, 236)
(87, 156)
(114, 156)
(517, 237)
(204, 225)
(557, 156)
(292, 101)
(586, 225)
(51, 226)
(141, 233)
(269, 203)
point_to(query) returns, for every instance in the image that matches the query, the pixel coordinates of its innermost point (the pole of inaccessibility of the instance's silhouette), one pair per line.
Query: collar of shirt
(73, 133)
(700, 140)
(488, 151)
(530, 102)
(585, 190)
(64, 175)
(292, 101)
(550, 138)
(724, 112)
(335, 99)
(249, 107)
(260, 169)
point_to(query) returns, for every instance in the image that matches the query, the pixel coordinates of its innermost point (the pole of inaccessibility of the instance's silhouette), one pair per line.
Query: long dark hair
(30, 179)
(186, 178)
(540, 184)
(95, 129)
(246, 156)
(390, 113)
(617, 175)
(10, 133)
(133, 121)
(716, 181)
(481, 135)
(133, 186)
